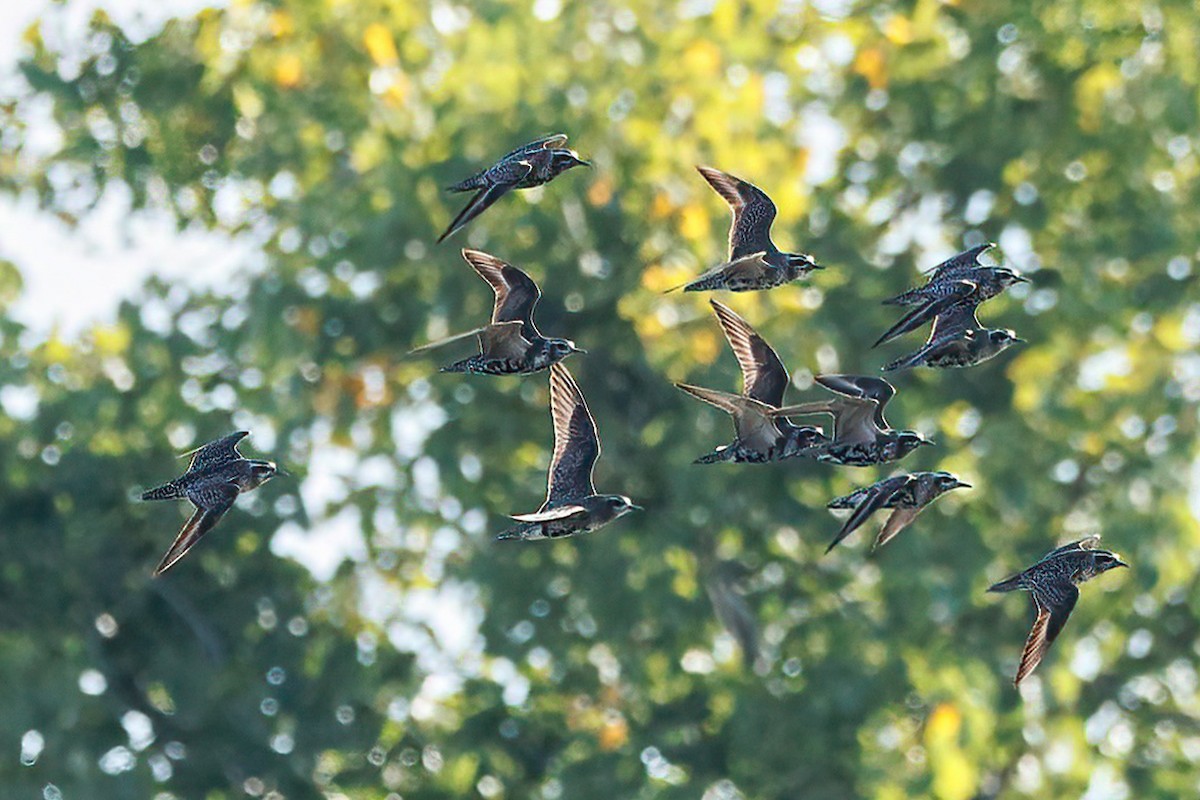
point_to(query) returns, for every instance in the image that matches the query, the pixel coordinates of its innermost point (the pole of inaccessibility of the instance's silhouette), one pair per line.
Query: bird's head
(619, 505)
(944, 482)
(908, 441)
(1006, 277)
(561, 348)
(1103, 561)
(563, 160)
(261, 472)
(1003, 338)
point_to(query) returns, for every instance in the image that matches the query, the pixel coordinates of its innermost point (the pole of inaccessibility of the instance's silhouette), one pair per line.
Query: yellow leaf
(898, 30)
(872, 65)
(288, 71)
(614, 733)
(600, 192)
(943, 724)
(380, 45)
(693, 222)
(281, 24)
(702, 58)
(111, 339)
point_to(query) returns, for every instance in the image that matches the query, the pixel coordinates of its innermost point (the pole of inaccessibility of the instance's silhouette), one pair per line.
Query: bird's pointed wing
(874, 498)
(516, 293)
(548, 142)
(957, 293)
(862, 387)
(1052, 614)
(481, 201)
(549, 514)
(211, 504)
(217, 452)
(576, 443)
(1086, 543)
(751, 418)
(753, 212)
(967, 258)
(503, 341)
(447, 340)
(764, 377)
(959, 318)
(898, 521)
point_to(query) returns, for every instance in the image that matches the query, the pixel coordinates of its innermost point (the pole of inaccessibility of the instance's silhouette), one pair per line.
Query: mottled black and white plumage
(760, 437)
(572, 505)
(1052, 583)
(992, 280)
(754, 260)
(861, 434)
(907, 494)
(529, 165)
(957, 339)
(511, 343)
(215, 476)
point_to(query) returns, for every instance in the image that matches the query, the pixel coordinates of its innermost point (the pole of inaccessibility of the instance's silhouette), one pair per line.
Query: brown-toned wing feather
(576, 443)
(752, 419)
(503, 341)
(863, 387)
(217, 452)
(874, 497)
(516, 293)
(211, 504)
(764, 377)
(753, 212)
(1052, 614)
(898, 521)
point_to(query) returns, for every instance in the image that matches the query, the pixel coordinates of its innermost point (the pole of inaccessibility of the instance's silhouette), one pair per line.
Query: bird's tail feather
(168, 491)
(1010, 585)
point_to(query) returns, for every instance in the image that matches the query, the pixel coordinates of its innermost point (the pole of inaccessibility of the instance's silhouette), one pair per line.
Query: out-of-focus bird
(760, 437)
(957, 339)
(992, 280)
(215, 476)
(529, 165)
(1052, 583)
(956, 297)
(907, 494)
(733, 612)
(754, 260)
(861, 434)
(572, 505)
(510, 344)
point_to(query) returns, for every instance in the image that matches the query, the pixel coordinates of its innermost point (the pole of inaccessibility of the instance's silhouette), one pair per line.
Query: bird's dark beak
(575, 349)
(1021, 279)
(283, 472)
(1019, 340)
(636, 507)
(1119, 563)
(961, 485)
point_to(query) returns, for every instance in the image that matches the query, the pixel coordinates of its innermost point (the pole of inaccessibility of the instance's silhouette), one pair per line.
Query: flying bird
(530, 165)
(957, 339)
(572, 505)
(511, 343)
(963, 266)
(1052, 582)
(733, 612)
(760, 437)
(861, 434)
(907, 494)
(754, 260)
(215, 476)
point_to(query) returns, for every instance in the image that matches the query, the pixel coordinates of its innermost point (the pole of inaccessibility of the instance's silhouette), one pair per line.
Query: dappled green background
(435, 664)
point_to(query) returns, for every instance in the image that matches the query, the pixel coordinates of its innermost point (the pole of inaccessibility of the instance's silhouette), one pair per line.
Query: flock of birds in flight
(511, 344)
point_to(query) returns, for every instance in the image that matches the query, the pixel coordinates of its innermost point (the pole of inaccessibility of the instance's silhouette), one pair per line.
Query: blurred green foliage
(435, 664)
